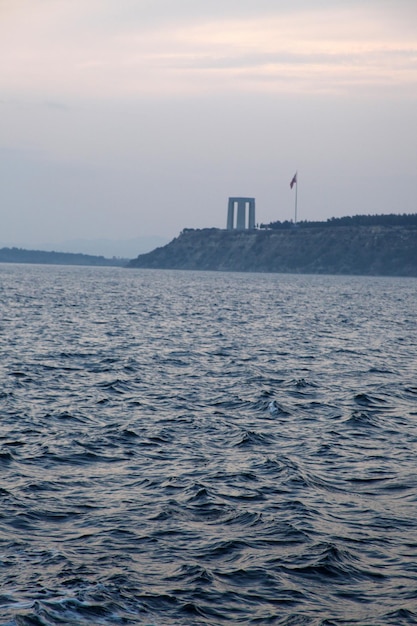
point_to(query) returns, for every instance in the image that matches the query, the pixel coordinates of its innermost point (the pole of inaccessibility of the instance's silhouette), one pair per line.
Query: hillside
(20, 255)
(367, 250)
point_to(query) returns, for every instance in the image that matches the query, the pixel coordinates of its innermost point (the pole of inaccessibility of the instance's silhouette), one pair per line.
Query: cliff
(367, 250)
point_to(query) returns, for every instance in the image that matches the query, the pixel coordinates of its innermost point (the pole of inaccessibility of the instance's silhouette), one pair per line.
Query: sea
(207, 448)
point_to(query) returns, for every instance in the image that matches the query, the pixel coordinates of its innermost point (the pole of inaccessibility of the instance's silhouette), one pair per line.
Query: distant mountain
(366, 250)
(20, 255)
(109, 248)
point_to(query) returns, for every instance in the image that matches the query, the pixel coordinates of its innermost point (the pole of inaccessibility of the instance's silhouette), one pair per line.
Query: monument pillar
(251, 223)
(230, 214)
(241, 214)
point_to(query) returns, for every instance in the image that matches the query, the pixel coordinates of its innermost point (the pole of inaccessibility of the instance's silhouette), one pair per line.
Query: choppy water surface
(145, 480)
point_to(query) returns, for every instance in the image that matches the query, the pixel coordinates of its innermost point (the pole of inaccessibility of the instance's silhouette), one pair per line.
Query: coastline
(358, 250)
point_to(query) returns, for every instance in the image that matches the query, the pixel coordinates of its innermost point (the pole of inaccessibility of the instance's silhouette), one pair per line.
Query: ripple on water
(206, 448)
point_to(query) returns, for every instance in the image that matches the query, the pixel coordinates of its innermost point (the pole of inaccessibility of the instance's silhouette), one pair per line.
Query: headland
(358, 249)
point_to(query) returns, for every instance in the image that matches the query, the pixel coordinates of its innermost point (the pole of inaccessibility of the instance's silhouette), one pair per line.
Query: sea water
(207, 448)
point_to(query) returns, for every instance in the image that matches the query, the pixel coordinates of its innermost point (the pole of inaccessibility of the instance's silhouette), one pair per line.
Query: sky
(131, 118)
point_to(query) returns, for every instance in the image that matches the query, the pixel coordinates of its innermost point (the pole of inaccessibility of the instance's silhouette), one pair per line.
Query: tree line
(20, 255)
(390, 219)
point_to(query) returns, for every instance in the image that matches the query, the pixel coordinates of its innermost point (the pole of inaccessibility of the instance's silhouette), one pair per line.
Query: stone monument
(241, 222)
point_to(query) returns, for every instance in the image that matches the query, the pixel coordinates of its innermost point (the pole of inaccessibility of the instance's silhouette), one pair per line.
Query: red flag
(294, 180)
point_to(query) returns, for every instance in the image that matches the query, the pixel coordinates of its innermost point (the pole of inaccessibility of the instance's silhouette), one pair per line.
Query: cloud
(105, 50)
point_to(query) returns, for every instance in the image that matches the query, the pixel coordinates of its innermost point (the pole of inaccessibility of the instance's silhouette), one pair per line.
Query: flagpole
(296, 190)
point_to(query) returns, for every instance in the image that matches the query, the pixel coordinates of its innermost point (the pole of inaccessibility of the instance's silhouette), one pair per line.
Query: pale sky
(127, 118)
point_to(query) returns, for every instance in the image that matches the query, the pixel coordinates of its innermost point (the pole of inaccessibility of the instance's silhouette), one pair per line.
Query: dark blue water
(147, 479)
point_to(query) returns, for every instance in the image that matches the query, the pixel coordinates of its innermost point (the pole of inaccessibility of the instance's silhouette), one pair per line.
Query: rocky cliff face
(372, 250)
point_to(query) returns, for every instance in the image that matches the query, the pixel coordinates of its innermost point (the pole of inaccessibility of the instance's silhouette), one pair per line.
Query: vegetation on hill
(409, 220)
(20, 255)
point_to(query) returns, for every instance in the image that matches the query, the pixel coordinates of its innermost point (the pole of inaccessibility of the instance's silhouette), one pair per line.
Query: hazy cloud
(146, 48)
